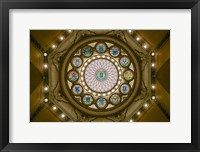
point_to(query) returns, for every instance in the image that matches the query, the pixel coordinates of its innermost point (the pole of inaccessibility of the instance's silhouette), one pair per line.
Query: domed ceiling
(99, 75)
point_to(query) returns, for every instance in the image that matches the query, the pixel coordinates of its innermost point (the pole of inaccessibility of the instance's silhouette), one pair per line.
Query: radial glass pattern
(100, 75)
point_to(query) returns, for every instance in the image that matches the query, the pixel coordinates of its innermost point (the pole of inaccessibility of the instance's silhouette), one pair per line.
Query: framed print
(104, 75)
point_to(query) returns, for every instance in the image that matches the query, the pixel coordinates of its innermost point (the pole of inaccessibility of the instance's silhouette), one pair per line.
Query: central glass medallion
(101, 75)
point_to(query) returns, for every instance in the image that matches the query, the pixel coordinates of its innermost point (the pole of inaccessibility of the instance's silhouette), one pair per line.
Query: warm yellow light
(46, 66)
(46, 88)
(45, 100)
(61, 38)
(138, 113)
(129, 31)
(145, 105)
(131, 120)
(152, 54)
(53, 46)
(137, 38)
(153, 97)
(69, 31)
(153, 86)
(45, 54)
(153, 65)
(54, 107)
(62, 115)
(145, 46)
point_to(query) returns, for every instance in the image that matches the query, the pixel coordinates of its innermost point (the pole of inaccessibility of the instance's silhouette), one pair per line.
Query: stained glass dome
(100, 77)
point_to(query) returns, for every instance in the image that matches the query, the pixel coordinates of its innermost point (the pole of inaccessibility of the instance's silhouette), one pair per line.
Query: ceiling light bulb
(46, 88)
(53, 46)
(137, 38)
(69, 31)
(131, 120)
(153, 86)
(62, 115)
(129, 31)
(61, 38)
(153, 65)
(54, 107)
(138, 113)
(153, 97)
(145, 46)
(45, 66)
(45, 54)
(45, 100)
(145, 105)
(152, 54)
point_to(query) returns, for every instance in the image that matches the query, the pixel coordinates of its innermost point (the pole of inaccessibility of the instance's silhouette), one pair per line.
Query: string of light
(54, 108)
(147, 47)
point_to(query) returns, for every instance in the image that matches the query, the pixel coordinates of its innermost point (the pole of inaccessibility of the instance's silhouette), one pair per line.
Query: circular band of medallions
(67, 91)
(113, 81)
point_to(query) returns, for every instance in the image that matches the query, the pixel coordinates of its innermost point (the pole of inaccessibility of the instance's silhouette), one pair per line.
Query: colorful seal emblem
(114, 51)
(87, 51)
(115, 99)
(124, 88)
(101, 103)
(73, 76)
(128, 75)
(77, 62)
(101, 75)
(77, 89)
(87, 100)
(124, 61)
(101, 47)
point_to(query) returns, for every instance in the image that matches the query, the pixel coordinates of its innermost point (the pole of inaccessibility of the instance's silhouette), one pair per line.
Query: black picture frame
(5, 5)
